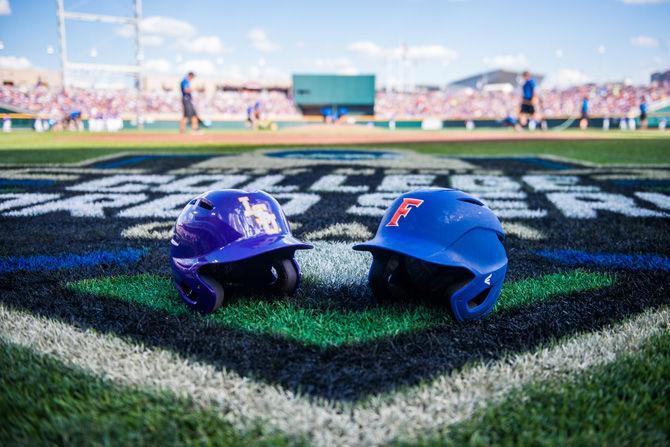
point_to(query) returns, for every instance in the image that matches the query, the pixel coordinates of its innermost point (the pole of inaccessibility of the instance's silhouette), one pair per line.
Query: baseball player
(528, 100)
(187, 103)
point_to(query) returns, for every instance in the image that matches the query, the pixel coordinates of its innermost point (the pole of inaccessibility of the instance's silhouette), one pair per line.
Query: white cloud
(155, 28)
(268, 75)
(5, 8)
(507, 61)
(332, 62)
(349, 71)
(643, 2)
(152, 41)
(233, 73)
(567, 77)
(429, 52)
(198, 66)
(644, 42)
(125, 31)
(367, 49)
(339, 65)
(203, 44)
(167, 26)
(260, 40)
(435, 52)
(158, 65)
(14, 63)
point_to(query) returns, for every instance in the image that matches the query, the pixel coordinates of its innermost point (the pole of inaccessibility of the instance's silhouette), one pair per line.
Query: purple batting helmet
(232, 239)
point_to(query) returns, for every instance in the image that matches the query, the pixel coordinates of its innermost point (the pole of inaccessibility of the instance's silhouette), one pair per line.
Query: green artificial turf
(73, 155)
(329, 327)
(653, 150)
(533, 290)
(610, 147)
(622, 403)
(44, 402)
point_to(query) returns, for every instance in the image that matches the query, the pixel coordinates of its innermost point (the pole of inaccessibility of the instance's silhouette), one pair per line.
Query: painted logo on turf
(403, 210)
(336, 154)
(262, 215)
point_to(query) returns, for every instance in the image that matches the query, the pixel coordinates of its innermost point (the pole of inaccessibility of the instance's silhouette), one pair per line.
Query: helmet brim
(249, 248)
(418, 249)
(489, 259)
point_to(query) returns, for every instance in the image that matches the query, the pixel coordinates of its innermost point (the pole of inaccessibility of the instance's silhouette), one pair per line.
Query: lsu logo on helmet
(262, 214)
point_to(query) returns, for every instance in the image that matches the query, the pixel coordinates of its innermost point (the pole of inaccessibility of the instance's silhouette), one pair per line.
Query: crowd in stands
(54, 103)
(609, 100)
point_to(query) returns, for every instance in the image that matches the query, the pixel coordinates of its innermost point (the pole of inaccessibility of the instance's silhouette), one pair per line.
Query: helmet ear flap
(287, 274)
(213, 301)
(386, 277)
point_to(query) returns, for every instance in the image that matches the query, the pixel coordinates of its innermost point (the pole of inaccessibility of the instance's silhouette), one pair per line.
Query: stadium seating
(616, 100)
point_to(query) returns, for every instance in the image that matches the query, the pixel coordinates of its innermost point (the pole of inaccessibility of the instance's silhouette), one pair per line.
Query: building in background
(661, 76)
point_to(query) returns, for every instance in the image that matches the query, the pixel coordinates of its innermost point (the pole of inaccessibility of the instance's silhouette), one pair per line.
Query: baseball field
(98, 349)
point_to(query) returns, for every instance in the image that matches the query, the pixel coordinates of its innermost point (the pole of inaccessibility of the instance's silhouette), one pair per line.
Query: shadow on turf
(345, 373)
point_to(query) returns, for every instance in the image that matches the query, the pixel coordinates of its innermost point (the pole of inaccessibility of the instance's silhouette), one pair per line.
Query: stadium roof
(8, 108)
(661, 76)
(481, 80)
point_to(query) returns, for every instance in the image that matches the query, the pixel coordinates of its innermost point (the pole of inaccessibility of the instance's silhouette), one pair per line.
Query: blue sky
(420, 41)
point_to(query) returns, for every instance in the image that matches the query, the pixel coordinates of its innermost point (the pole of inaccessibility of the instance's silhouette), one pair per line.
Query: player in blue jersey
(509, 121)
(644, 109)
(187, 102)
(528, 100)
(584, 121)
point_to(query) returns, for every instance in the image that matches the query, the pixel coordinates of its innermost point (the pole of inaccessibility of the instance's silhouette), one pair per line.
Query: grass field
(97, 349)
(649, 147)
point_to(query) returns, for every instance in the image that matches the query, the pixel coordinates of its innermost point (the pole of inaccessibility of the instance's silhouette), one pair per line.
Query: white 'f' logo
(487, 281)
(262, 214)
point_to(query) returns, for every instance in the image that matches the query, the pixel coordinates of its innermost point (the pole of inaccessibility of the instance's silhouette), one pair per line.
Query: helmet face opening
(264, 273)
(394, 276)
(434, 278)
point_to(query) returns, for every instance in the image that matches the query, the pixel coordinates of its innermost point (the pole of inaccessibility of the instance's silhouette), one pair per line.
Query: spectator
(6, 123)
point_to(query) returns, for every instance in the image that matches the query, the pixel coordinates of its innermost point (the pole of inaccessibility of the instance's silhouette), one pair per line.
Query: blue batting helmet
(443, 243)
(232, 239)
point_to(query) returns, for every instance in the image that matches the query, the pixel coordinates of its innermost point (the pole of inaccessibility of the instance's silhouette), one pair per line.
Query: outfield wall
(22, 121)
(312, 93)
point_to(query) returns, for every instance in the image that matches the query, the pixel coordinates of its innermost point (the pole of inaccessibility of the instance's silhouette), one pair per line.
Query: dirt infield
(331, 135)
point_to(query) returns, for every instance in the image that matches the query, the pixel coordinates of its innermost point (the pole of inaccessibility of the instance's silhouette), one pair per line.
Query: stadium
(291, 227)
